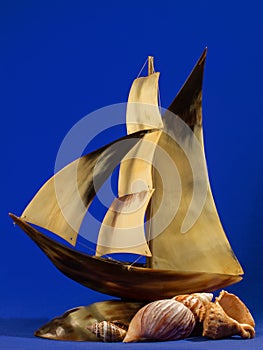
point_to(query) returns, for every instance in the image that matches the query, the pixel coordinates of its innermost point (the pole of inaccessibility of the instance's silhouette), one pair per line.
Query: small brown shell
(161, 320)
(217, 324)
(195, 302)
(109, 331)
(235, 308)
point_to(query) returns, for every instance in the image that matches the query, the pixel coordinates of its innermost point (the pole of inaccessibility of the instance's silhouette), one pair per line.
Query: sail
(186, 232)
(118, 231)
(135, 173)
(142, 112)
(62, 202)
(122, 229)
(142, 108)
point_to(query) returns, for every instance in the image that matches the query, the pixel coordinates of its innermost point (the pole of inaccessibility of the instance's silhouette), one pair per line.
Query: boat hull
(121, 280)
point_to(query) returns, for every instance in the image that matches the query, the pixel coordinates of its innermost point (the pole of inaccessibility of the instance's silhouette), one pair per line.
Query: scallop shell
(217, 324)
(109, 331)
(161, 320)
(195, 302)
(235, 308)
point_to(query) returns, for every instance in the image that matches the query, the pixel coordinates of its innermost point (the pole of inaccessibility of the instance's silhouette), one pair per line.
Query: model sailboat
(162, 176)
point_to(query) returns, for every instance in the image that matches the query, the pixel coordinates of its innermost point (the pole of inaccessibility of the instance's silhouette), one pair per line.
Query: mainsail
(122, 229)
(193, 239)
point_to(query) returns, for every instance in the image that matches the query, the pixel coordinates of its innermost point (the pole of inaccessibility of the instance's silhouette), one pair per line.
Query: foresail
(61, 204)
(186, 232)
(122, 229)
(142, 108)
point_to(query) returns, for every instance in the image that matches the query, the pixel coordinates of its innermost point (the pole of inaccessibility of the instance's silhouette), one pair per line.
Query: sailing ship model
(185, 245)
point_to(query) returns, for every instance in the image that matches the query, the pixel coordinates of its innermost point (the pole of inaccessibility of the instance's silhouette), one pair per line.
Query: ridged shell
(195, 302)
(235, 308)
(109, 331)
(204, 297)
(217, 324)
(161, 320)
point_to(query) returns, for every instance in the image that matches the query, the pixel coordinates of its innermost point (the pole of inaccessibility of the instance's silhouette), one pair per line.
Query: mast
(149, 208)
(150, 65)
(122, 229)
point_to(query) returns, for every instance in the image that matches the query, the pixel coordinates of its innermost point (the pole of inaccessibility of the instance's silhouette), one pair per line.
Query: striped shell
(161, 320)
(109, 331)
(195, 302)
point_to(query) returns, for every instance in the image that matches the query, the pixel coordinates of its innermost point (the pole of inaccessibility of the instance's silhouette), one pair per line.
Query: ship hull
(121, 280)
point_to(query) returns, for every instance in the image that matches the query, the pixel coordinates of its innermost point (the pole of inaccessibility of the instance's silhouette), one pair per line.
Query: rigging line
(134, 262)
(142, 68)
(87, 247)
(109, 257)
(93, 249)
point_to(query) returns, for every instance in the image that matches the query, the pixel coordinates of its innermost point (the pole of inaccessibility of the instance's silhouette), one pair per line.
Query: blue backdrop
(61, 60)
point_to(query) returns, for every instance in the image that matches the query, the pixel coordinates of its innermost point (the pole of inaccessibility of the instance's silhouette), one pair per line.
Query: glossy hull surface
(122, 280)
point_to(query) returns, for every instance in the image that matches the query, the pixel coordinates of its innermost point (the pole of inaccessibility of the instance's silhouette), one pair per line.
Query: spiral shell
(161, 320)
(109, 331)
(217, 324)
(195, 302)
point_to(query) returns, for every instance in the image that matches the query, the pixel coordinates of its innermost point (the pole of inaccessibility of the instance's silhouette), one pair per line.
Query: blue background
(61, 60)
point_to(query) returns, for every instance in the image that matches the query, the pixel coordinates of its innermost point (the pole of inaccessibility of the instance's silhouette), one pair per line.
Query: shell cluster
(179, 317)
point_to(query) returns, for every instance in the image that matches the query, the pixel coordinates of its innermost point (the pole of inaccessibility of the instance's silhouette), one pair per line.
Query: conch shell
(109, 331)
(161, 320)
(226, 317)
(195, 302)
(235, 308)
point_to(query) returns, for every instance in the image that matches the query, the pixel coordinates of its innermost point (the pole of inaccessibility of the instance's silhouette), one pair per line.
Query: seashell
(235, 308)
(72, 325)
(217, 324)
(195, 302)
(161, 320)
(109, 331)
(204, 297)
